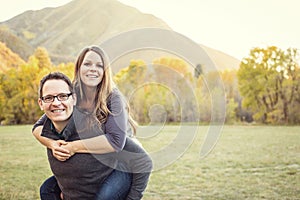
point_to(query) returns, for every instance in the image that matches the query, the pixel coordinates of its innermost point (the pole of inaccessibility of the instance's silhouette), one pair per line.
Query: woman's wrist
(73, 148)
(76, 146)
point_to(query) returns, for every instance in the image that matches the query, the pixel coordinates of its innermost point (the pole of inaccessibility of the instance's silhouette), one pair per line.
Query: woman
(97, 95)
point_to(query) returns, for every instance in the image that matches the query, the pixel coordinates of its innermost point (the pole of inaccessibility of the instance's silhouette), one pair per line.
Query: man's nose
(56, 101)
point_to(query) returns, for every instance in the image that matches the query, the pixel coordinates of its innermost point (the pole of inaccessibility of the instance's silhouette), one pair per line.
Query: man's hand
(58, 150)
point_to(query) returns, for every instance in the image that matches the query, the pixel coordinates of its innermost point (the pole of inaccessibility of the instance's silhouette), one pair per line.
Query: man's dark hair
(54, 76)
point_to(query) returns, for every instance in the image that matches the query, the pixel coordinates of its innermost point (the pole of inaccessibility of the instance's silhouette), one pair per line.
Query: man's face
(58, 111)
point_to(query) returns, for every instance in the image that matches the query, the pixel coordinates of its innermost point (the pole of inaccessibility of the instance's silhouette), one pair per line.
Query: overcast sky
(231, 26)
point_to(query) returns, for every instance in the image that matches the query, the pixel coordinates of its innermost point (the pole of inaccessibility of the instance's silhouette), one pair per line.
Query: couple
(86, 127)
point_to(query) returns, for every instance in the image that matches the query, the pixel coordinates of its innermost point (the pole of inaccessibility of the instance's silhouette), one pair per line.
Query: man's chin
(61, 118)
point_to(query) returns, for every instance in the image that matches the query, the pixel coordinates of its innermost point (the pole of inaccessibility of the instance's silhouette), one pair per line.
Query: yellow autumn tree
(269, 81)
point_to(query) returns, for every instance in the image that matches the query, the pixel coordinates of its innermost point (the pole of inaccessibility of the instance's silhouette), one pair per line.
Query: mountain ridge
(66, 29)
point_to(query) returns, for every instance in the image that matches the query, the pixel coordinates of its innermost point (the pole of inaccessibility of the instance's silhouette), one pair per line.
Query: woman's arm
(116, 125)
(97, 145)
(62, 150)
(112, 141)
(115, 130)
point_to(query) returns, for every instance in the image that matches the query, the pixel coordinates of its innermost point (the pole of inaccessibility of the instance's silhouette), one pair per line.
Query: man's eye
(48, 98)
(63, 96)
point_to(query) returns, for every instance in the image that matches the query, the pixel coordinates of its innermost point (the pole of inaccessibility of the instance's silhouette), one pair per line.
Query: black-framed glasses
(60, 97)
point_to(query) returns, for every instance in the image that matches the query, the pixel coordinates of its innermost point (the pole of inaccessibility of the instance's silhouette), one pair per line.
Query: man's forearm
(55, 145)
(43, 140)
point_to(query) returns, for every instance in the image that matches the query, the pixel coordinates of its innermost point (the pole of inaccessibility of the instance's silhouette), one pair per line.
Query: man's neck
(59, 126)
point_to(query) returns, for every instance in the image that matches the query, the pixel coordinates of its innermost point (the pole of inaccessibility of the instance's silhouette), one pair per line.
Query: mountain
(15, 43)
(221, 60)
(64, 30)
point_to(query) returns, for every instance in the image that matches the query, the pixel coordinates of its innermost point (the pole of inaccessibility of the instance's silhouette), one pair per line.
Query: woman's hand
(58, 150)
(69, 147)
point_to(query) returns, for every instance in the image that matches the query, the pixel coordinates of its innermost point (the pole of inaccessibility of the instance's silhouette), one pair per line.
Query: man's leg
(50, 189)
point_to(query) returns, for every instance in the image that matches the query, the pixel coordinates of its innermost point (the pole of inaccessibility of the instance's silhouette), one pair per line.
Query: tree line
(265, 89)
(269, 81)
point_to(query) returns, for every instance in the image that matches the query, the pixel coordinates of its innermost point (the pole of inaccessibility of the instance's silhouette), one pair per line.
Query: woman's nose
(93, 67)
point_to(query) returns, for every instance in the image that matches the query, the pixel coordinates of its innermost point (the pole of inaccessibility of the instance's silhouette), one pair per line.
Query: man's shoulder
(48, 129)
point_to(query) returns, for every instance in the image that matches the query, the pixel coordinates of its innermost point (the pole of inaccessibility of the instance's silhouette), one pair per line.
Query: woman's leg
(50, 189)
(116, 186)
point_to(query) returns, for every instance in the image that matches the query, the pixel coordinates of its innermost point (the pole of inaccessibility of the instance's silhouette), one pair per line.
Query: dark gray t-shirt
(81, 176)
(116, 128)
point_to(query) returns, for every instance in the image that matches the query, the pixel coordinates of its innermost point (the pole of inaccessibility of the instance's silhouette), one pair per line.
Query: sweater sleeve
(117, 121)
(138, 162)
(39, 122)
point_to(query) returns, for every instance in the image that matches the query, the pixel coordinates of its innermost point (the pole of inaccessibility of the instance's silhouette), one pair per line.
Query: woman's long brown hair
(104, 89)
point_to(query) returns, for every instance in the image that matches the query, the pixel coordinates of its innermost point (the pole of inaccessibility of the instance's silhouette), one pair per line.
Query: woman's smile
(92, 76)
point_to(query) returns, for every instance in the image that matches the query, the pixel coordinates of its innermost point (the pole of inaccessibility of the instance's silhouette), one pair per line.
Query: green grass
(248, 162)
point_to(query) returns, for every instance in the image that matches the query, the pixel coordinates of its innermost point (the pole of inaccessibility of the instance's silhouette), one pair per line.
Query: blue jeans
(115, 187)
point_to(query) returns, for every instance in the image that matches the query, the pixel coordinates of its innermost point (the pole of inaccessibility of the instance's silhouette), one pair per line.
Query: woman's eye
(100, 65)
(87, 64)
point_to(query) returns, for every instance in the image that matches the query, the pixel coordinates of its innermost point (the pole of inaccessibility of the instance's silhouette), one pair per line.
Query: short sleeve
(39, 122)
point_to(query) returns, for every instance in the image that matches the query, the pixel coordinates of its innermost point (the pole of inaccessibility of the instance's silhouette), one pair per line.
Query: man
(81, 176)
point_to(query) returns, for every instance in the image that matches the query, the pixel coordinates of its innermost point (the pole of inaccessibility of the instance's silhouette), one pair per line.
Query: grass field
(248, 162)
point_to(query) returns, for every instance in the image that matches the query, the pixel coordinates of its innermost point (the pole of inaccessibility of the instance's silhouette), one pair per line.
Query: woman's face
(91, 69)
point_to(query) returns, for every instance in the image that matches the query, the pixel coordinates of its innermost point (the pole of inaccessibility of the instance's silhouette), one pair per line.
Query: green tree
(268, 80)
(158, 88)
(2, 98)
(231, 108)
(177, 76)
(131, 77)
